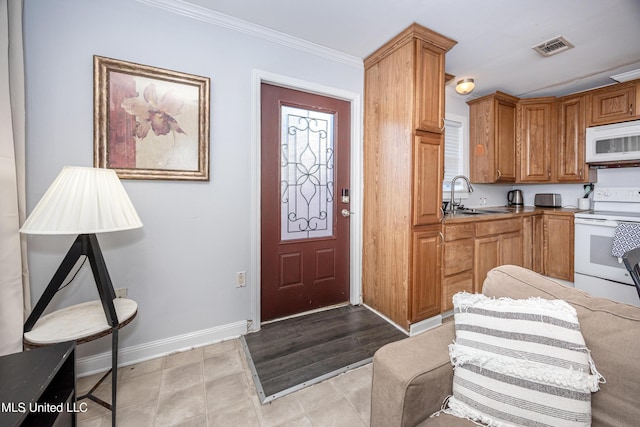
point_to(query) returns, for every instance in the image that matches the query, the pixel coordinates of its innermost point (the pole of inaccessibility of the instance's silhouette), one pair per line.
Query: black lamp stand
(87, 245)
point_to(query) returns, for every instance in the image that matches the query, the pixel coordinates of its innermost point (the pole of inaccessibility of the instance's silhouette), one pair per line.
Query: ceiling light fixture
(465, 86)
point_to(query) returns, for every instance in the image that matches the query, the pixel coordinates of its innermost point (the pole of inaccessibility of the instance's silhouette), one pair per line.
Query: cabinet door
(612, 104)
(451, 285)
(570, 148)
(425, 295)
(429, 101)
(535, 137)
(511, 249)
(492, 130)
(458, 257)
(558, 246)
(505, 141)
(532, 247)
(428, 171)
(487, 256)
(457, 266)
(482, 146)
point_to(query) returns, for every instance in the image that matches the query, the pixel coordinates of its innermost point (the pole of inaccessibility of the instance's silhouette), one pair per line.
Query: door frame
(356, 184)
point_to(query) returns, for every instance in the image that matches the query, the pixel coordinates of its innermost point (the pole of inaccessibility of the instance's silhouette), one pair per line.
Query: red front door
(305, 143)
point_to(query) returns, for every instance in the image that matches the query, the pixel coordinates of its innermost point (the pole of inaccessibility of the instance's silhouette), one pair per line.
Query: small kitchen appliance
(548, 200)
(515, 198)
(613, 144)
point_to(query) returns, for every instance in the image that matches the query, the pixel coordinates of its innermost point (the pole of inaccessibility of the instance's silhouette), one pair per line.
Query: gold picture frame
(150, 123)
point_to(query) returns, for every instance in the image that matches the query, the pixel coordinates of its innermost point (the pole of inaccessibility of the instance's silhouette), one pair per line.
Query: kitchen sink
(492, 211)
(467, 212)
(474, 211)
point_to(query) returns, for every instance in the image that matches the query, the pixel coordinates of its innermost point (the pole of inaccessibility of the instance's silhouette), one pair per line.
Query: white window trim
(462, 194)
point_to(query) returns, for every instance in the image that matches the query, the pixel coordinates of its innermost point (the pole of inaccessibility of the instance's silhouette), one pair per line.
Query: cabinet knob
(631, 109)
(498, 174)
(443, 123)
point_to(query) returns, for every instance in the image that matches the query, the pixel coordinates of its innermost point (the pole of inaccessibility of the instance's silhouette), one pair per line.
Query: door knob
(346, 213)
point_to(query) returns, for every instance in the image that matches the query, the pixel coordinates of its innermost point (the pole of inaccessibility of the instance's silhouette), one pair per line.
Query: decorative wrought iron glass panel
(306, 174)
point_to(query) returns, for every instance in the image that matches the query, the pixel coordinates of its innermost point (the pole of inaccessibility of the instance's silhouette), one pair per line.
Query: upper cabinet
(535, 139)
(429, 101)
(612, 104)
(542, 140)
(417, 58)
(570, 147)
(493, 138)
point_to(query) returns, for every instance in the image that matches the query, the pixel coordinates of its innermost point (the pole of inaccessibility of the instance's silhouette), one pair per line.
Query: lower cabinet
(457, 271)
(497, 242)
(542, 242)
(532, 242)
(425, 288)
(558, 245)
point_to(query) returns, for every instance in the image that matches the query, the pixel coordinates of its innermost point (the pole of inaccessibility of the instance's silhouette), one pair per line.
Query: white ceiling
(495, 37)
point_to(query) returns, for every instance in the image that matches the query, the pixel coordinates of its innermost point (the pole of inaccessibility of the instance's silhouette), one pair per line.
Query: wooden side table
(83, 323)
(38, 387)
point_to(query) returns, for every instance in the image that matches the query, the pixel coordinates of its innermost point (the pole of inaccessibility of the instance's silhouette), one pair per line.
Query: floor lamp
(84, 201)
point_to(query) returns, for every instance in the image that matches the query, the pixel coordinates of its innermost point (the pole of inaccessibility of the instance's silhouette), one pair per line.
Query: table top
(80, 323)
(25, 376)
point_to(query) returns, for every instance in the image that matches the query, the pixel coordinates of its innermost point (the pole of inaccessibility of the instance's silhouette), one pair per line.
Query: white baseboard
(139, 353)
(414, 328)
(425, 325)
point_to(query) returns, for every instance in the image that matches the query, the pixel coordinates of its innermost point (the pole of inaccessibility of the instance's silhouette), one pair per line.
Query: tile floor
(212, 386)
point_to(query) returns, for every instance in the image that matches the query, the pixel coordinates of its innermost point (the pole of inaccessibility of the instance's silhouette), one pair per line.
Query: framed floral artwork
(150, 123)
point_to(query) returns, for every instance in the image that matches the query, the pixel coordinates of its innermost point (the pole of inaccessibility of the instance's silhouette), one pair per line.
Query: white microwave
(619, 142)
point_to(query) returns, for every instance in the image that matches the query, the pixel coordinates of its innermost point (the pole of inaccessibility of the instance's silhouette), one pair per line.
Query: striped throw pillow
(520, 362)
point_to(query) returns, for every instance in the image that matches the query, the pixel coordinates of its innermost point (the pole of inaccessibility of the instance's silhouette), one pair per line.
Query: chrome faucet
(452, 204)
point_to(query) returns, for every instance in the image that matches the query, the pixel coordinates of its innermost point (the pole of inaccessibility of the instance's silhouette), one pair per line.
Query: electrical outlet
(241, 281)
(121, 293)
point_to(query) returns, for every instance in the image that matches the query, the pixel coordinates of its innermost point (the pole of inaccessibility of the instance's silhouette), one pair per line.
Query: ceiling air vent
(553, 46)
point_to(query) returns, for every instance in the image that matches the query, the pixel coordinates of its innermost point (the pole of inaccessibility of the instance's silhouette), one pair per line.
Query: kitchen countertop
(503, 212)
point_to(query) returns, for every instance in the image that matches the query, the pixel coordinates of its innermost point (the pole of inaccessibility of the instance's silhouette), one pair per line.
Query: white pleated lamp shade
(83, 200)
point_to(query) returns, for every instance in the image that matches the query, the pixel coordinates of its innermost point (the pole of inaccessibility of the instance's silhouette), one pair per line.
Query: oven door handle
(597, 222)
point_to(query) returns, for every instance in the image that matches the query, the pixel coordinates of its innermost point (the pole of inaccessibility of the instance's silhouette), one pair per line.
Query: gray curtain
(14, 283)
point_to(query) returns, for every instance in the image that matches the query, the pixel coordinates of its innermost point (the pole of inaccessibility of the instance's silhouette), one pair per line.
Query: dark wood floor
(293, 353)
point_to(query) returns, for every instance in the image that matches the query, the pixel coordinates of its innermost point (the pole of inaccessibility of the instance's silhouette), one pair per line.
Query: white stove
(616, 203)
(596, 270)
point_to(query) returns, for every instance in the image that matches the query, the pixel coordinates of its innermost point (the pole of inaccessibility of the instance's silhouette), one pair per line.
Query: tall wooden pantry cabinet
(403, 172)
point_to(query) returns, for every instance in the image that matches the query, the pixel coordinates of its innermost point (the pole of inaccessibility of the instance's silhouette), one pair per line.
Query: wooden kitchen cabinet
(532, 243)
(570, 147)
(535, 139)
(425, 297)
(613, 104)
(492, 137)
(429, 93)
(497, 242)
(428, 173)
(457, 270)
(403, 171)
(558, 245)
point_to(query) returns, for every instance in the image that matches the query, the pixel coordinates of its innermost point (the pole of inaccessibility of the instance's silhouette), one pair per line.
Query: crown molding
(183, 8)
(628, 76)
